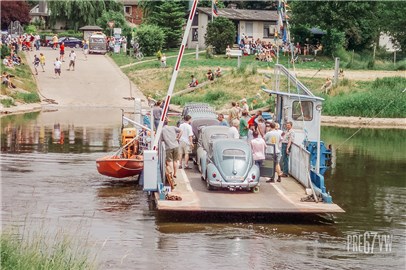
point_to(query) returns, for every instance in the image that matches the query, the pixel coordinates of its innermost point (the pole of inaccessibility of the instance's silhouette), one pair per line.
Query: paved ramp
(96, 82)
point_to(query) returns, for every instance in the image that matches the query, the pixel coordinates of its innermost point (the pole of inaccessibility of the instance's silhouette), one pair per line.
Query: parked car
(224, 162)
(70, 42)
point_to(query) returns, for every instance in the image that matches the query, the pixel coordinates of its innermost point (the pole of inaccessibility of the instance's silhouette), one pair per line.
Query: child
(36, 64)
(42, 61)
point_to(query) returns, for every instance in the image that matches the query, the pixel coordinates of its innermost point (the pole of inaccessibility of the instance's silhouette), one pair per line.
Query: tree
(79, 13)
(357, 19)
(220, 33)
(14, 11)
(169, 16)
(150, 38)
(117, 17)
(393, 21)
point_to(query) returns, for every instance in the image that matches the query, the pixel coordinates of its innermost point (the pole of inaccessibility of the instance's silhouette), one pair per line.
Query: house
(252, 23)
(132, 12)
(40, 15)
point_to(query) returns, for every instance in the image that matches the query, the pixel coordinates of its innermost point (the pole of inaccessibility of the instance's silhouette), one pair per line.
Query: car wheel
(255, 189)
(209, 187)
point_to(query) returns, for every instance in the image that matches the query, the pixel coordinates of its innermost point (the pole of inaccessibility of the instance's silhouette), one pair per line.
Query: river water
(50, 183)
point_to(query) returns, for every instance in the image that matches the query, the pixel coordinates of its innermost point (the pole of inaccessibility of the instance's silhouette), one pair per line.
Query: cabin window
(304, 106)
(127, 9)
(195, 34)
(249, 29)
(266, 31)
(234, 153)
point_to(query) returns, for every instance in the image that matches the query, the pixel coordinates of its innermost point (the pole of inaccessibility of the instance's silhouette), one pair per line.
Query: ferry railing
(299, 160)
(161, 162)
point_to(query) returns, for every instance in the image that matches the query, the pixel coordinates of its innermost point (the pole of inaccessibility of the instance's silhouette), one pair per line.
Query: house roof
(243, 14)
(130, 2)
(91, 28)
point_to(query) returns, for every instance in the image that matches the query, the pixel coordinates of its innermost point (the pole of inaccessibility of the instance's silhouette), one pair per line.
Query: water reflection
(20, 134)
(60, 176)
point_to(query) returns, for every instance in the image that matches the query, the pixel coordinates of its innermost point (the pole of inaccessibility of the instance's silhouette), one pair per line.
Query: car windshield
(97, 40)
(234, 153)
(218, 136)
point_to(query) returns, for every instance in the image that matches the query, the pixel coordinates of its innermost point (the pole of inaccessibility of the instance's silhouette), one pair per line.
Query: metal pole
(318, 142)
(175, 74)
(394, 58)
(212, 7)
(197, 51)
(239, 62)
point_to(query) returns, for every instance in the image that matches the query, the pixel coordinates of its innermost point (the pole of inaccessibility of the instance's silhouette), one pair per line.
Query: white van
(98, 43)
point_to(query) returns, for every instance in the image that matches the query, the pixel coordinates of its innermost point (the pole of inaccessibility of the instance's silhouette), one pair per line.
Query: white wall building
(252, 23)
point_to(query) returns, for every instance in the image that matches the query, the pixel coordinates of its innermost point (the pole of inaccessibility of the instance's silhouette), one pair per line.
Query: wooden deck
(278, 197)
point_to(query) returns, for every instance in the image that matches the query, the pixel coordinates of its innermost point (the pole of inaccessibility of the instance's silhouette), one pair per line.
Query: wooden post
(374, 53)
(239, 62)
(336, 69)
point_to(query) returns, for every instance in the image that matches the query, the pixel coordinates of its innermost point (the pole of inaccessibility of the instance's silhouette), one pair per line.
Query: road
(96, 82)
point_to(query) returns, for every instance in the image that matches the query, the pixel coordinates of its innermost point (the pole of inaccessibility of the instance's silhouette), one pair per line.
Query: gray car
(225, 162)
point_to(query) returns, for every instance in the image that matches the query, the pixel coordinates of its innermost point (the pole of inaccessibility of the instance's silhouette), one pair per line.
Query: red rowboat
(127, 161)
(117, 167)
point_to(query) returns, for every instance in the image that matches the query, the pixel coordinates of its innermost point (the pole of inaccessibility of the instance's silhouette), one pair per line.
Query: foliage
(393, 21)
(27, 97)
(333, 41)
(384, 98)
(18, 252)
(220, 33)
(70, 33)
(7, 102)
(116, 16)
(80, 12)
(14, 11)
(261, 5)
(169, 16)
(30, 29)
(150, 38)
(357, 19)
(5, 51)
(208, 3)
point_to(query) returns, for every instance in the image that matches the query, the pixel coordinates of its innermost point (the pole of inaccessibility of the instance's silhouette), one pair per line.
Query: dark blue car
(70, 42)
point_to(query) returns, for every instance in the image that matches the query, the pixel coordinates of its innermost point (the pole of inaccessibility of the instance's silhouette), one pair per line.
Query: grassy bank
(26, 91)
(349, 98)
(21, 252)
(380, 98)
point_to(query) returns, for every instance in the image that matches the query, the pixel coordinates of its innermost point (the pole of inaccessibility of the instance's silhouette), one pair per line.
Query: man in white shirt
(186, 141)
(72, 58)
(57, 66)
(233, 131)
(274, 137)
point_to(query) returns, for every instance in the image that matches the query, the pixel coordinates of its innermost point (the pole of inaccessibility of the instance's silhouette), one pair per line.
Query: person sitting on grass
(210, 75)
(326, 87)
(6, 79)
(218, 72)
(193, 82)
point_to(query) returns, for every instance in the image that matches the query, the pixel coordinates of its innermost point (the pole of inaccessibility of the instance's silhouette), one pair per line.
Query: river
(50, 183)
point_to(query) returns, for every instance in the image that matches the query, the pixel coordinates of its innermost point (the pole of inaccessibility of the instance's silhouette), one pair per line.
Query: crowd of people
(264, 136)
(260, 133)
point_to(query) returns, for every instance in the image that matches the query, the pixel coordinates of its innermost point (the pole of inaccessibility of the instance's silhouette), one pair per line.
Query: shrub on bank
(19, 253)
(383, 99)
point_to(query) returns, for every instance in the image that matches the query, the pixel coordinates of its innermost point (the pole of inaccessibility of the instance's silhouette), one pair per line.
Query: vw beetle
(225, 162)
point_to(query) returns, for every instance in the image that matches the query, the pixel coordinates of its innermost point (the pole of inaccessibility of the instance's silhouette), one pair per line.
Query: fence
(300, 164)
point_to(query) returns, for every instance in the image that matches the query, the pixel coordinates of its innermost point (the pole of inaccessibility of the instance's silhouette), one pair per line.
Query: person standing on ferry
(287, 139)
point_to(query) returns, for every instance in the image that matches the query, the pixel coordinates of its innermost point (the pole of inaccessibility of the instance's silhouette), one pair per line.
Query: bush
(70, 33)
(333, 41)
(5, 51)
(220, 33)
(7, 102)
(150, 38)
(31, 29)
(384, 98)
